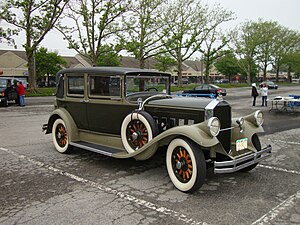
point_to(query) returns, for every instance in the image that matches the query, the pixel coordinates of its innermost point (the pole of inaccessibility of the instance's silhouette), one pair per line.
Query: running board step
(104, 150)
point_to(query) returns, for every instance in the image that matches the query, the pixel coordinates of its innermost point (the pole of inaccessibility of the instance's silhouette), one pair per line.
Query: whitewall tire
(60, 136)
(138, 128)
(186, 165)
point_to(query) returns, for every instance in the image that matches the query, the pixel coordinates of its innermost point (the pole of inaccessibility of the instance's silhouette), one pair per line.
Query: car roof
(110, 70)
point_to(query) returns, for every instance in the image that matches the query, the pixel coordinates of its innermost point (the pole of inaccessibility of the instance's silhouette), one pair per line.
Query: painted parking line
(279, 169)
(285, 142)
(159, 209)
(282, 207)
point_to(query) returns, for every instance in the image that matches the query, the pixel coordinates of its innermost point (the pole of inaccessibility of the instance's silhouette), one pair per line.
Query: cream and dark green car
(126, 112)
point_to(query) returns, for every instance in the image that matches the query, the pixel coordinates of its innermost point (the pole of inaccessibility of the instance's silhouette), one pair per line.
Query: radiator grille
(223, 112)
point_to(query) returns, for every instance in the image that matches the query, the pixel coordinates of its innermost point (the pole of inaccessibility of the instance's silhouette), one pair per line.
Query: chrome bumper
(243, 162)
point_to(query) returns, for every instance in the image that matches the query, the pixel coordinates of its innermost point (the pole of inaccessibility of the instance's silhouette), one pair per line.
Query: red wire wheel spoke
(61, 135)
(137, 134)
(182, 164)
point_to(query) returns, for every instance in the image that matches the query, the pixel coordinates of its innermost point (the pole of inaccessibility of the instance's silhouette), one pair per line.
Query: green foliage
(142, 32)
(34, 18)
(164, 62)
(108, 57)
(90, 24)
(186, 31)
(48, 63)
(227, 64)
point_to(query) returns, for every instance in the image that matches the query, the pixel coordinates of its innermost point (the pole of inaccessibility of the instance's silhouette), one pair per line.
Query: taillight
(219, 90)
(2, 94)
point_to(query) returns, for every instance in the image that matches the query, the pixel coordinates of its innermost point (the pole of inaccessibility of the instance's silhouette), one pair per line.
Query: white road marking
(122, 195)
(273, 213)
(285, 142)
(279, 169)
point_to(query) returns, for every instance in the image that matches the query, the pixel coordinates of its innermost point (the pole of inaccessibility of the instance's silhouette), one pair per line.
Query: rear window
(76, 85)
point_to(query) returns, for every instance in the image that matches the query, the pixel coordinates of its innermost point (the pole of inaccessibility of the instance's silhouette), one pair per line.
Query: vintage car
(8, 91)
(126, 112)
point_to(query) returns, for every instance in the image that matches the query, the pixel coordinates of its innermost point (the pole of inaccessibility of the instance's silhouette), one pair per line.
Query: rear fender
(69, 122)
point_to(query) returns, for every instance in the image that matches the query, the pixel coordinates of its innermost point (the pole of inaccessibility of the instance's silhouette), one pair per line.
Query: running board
(104, 150)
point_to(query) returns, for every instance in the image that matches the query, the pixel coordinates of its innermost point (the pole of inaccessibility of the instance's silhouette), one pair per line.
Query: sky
(286, 13)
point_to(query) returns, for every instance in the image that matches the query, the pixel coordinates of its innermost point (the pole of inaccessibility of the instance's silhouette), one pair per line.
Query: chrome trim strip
(91, 149)
(232, 165)
(212, 104)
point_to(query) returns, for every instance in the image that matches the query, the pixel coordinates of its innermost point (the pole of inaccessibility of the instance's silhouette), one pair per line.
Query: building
(14, 63)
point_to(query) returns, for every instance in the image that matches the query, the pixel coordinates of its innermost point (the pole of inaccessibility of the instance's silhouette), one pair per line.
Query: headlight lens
(259, 117)
(214, 126)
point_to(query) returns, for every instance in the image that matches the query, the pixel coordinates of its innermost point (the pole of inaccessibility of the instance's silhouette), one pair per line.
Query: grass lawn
(46, 91)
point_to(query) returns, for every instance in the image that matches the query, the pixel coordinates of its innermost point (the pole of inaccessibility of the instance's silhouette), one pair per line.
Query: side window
(76, 85)
(104, 86)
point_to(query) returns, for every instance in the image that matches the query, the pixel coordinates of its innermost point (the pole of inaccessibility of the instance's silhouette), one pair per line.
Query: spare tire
(138, 128)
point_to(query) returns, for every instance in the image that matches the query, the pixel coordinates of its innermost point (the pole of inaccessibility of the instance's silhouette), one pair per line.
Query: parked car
(270, 84)
(126, 112)
(206, 90)
(184, 81)
(7, 91)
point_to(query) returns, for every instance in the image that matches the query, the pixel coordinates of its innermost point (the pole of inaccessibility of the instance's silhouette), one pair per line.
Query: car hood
(186, 102)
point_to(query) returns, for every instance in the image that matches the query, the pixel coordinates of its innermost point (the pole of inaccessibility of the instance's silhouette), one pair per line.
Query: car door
(76, 99)
(105, 109)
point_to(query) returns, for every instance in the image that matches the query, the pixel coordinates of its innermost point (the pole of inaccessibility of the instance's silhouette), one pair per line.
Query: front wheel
(60, 136)
(186, 165)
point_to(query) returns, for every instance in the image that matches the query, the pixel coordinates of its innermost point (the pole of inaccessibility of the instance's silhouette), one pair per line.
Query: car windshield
(146, 85)
(2, 83)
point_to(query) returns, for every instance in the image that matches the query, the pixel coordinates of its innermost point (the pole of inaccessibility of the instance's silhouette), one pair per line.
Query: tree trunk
(277, 72)
(289, 73)
(179, 72)
(249, 74)
(142, 63)
(265, 72)
(31, 71)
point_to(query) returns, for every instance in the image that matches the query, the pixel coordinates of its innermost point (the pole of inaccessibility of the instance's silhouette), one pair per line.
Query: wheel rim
(61, 135)
(182, 164)
(137, 134)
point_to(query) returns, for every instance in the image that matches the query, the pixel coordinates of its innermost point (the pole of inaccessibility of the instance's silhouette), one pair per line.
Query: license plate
(241, 144)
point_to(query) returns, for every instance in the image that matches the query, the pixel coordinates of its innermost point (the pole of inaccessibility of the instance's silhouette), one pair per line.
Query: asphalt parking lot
(40, 186)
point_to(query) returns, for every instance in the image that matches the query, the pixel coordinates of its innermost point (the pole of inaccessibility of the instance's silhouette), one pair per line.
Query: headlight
(240, 121)
(259, 117)
(214, 126)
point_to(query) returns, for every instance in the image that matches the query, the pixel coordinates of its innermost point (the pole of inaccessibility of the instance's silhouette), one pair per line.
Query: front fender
(194, 132)
(72, 130)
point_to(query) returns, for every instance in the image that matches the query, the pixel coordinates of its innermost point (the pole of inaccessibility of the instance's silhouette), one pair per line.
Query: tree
(214, 43)
(143, 31)
(186, 31)
(227, 64)
(48, 63)
(286, 45)
(164, 62)
(246, 41)
(267, 32)
(94, 22)
(34, 17)
(108, 57)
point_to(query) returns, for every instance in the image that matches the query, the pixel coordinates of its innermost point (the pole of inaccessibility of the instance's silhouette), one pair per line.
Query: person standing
(21, 93)
(254, 93)
(264, 95)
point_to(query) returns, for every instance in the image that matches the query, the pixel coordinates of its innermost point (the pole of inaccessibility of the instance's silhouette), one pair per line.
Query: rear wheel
(5, 102)
(257, 145)
(186, 165)
(60, 136)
